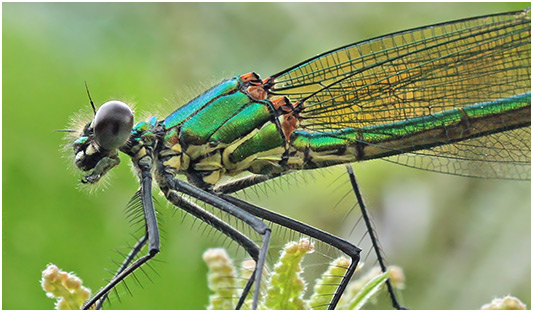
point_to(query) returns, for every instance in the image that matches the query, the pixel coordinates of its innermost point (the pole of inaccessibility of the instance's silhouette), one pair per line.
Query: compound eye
(112, 124)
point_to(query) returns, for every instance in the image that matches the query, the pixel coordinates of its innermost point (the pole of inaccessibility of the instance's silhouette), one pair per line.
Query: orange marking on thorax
(257, 92)
(289, 125)
(250, 77)
(289, 122)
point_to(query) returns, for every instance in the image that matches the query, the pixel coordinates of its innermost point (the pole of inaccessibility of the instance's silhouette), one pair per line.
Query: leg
(246, 182)
(151, 236)
(372, 235)
(243, 183)
(133, 253)
(343, 245)
(217, 202)
(251, 248)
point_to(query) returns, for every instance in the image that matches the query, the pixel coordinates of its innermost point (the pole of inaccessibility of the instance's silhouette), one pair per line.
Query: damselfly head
(96, 147)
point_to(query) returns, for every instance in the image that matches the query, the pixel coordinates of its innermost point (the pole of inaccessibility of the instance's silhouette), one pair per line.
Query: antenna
(90, 99)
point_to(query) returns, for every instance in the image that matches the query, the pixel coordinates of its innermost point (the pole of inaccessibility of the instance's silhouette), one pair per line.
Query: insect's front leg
(144, 165)
(125, 263)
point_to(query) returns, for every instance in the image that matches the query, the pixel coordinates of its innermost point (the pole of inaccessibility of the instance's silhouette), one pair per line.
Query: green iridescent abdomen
(321, 149)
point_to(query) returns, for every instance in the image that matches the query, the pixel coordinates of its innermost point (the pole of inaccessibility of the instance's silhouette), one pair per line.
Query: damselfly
(451, 97)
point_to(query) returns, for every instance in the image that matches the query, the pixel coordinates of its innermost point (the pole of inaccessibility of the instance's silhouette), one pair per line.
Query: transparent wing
(504, 155)
(420, 72)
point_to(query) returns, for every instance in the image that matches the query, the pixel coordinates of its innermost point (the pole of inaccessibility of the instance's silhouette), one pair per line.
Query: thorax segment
(229, 129)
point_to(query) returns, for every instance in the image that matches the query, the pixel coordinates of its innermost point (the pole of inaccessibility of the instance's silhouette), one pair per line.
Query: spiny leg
(251, 248)
(349, 249)
(129, 258)
(373, 237)
(250, 181)
(151, 232)
(212, 199)
(134, 250)
(239, 184)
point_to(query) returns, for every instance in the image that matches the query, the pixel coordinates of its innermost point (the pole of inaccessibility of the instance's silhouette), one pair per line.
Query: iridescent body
(251, 137)
(204, 147)
(453, 97)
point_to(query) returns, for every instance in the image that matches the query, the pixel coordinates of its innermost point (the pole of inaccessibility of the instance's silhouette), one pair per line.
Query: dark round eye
(112, 124)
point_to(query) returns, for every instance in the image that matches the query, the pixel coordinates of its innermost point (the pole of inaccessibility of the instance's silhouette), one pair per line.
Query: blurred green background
(461, 241)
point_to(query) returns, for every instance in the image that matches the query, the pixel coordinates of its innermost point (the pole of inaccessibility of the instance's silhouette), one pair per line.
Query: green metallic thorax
(224, 131)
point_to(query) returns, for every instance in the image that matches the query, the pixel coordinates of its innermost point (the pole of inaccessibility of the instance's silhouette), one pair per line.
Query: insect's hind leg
(349, 249)
(373, 237)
